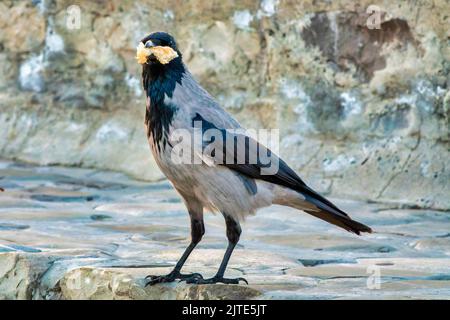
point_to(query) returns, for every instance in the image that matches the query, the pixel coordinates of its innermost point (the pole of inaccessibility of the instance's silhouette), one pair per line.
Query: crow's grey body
(175, 102)
(213, 186)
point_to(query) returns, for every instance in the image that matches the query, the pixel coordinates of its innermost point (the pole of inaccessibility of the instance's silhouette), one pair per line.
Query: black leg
(233, 235)
(197, 232)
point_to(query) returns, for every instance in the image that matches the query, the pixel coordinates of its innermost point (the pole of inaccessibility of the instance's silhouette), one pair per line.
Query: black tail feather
(335, 216)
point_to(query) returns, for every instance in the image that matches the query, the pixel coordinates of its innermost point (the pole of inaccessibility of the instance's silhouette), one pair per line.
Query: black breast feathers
(160, 81)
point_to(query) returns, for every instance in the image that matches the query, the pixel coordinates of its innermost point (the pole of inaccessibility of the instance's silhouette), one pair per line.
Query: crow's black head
(157, 48)
(161, 39)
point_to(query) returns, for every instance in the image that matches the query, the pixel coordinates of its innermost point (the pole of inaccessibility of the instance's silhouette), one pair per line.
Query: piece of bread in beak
(163, 54)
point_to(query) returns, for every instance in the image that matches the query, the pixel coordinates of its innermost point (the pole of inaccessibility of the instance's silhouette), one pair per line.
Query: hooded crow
(226, 169)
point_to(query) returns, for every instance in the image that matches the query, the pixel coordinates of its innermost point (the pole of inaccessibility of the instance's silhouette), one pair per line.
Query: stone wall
(363, 113)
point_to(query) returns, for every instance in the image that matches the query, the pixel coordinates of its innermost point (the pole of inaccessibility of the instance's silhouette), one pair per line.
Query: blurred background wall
(363, 113)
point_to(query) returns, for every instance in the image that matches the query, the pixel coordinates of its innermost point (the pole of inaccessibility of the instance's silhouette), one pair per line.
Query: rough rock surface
(70, 233)
(89, 283)
(363, 113)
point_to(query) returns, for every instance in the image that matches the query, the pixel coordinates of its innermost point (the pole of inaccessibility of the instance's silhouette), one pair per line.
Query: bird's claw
(171, 277)
(216, 280)
(186, 277)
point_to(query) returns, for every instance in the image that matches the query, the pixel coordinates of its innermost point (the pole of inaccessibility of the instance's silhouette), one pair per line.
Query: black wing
(245, 149)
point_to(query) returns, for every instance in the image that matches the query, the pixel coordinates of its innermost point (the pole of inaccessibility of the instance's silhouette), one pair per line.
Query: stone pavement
(70, 233)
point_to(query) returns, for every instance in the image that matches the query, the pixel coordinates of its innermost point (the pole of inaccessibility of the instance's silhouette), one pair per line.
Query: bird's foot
(216, 279)
(171, 277)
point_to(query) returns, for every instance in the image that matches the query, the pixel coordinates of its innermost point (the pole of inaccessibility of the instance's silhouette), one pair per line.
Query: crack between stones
(395, 175)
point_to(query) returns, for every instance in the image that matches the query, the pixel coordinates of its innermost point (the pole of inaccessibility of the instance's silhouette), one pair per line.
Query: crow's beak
(142, 53)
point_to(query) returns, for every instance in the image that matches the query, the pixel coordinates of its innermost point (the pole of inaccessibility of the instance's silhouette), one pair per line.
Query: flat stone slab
(95, 284)
(68, 233)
